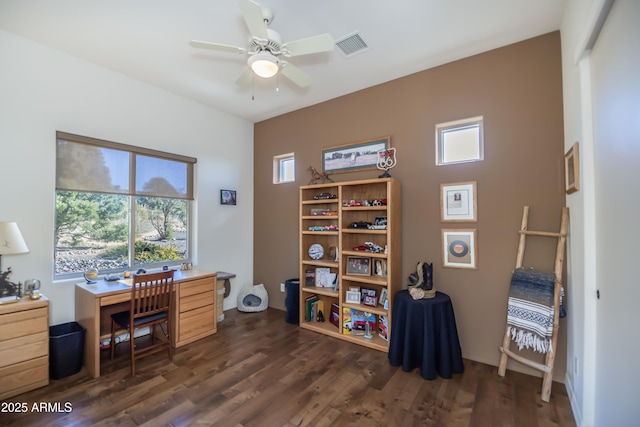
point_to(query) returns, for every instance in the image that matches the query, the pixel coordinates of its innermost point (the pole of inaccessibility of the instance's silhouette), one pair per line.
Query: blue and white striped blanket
(530, 311)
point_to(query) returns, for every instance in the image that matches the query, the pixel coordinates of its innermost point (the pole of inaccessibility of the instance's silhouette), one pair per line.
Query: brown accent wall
(518, 90)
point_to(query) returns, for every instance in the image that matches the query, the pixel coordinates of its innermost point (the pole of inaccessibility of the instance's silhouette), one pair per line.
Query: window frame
(132, 195)
(278, 168)
(461, 124)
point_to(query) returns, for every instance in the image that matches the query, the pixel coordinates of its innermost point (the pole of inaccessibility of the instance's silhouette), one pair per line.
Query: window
(119, 206)
(459, 142)
(284, 168)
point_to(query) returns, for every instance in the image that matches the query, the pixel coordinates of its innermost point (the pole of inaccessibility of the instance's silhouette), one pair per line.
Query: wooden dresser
(24, 346)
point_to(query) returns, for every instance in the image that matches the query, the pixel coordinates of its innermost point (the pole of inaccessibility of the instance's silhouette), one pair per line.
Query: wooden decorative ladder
(547, 367)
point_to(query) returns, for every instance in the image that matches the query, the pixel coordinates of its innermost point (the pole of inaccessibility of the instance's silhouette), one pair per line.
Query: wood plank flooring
(260, 371)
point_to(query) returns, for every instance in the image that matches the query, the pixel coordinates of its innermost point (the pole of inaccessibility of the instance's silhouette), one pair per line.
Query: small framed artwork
(384, 299)
(369, 297)
(227, 197)
(380, 268)
(360, 266)
(458, 202)
(459, 248)
(572, 170)
(353, 297)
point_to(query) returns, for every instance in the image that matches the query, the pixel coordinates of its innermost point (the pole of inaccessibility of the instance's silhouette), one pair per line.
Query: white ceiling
(148, 40)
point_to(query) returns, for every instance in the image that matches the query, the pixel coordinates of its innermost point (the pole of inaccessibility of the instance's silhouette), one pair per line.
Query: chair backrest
(151, 293)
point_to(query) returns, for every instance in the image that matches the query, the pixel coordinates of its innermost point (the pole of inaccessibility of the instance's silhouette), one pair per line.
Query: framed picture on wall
(572, 170)
(227, 197)
(459, 249)
(458, 202)
(359, 155)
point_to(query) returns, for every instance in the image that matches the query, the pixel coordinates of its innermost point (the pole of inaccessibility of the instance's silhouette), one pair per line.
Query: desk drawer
(197, 322)
(115, 299)
(25, 376)
(23, 323)
(198, 286)
(196, 301)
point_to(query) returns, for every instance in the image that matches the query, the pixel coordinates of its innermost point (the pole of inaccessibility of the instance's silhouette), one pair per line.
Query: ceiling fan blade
(245, 78)
(254, 18)
(315, 44)
(295, 74)
(217, 46)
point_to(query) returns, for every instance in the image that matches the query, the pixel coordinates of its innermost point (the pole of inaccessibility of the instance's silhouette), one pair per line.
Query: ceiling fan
(265, 48)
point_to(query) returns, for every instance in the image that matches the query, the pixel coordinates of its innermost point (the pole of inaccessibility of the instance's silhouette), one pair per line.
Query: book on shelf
(383, 327)
(308, 304)
(346, 321)
(334, 317)
(359, 321)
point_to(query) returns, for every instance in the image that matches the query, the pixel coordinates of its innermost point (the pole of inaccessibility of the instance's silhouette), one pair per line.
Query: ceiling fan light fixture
(264, 64)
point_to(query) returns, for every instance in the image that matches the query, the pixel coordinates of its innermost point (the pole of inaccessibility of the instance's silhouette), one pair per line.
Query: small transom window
(284, 168)
(459, 142)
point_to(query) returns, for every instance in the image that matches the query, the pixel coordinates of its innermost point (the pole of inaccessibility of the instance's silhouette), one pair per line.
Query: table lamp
(11, 240)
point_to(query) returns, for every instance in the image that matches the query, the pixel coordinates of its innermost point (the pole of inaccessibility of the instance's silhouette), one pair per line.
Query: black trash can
(66, 349)
(292, 302)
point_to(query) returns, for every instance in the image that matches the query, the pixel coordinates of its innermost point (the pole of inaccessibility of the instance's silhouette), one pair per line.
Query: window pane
(92, 231)
(287, 168)
(160, 177)
(82, 167)
(161, 230)
(461, 144)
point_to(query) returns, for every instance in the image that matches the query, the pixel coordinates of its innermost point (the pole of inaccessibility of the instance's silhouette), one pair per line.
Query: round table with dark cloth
(424, 335)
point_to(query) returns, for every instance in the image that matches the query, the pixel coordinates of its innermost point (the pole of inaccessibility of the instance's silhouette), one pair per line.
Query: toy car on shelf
(324, 196)
(360, 248)
(351, 203)
(377, 227)
(379, 202)
(360, 224)
(372, 247)
(331, 227)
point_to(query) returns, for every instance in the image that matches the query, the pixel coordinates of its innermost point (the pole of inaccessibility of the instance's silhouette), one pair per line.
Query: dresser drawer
(25, 376)
(21, 323)
(24, 348)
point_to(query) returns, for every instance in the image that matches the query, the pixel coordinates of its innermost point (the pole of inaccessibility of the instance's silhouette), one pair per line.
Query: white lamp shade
(264, 64)
(11, 240)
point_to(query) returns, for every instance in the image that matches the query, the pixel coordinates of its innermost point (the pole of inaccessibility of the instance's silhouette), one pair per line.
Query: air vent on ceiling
(352, 44)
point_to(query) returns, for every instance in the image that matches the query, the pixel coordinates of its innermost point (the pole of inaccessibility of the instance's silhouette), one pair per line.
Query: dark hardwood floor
(260, 371)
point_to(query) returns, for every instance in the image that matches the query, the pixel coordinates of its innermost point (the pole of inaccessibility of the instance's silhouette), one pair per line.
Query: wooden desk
(194, 310)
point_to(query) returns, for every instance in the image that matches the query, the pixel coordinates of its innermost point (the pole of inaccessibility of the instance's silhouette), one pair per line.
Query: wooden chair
(151, 304)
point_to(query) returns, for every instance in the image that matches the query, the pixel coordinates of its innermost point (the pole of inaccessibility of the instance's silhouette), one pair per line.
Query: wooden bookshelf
(367, 201)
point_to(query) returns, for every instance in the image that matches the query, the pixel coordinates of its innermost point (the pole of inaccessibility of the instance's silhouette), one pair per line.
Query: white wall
(43, 90)
(601, 111)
